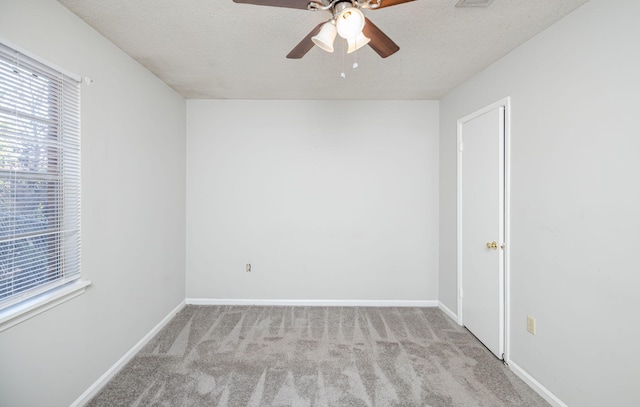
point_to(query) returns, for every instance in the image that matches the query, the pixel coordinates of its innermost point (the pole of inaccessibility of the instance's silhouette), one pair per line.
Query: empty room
(326, 203)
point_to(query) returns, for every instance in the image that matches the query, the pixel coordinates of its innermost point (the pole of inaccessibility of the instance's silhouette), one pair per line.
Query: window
(39, 179)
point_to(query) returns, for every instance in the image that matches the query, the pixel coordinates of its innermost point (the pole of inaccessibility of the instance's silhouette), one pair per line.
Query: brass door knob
(492, 245)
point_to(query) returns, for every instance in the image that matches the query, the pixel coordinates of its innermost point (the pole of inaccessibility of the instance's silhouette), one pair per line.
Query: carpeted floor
(315, 356)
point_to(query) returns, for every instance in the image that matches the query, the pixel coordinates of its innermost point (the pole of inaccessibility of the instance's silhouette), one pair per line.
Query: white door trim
(506, 103)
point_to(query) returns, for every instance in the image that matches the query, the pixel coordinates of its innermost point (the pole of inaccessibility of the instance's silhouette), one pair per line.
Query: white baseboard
(447, 311)
(536, 385)
(314, 303)
(113, 370)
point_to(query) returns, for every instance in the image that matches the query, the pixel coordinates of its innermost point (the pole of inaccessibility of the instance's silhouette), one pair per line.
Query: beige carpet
(315, 356)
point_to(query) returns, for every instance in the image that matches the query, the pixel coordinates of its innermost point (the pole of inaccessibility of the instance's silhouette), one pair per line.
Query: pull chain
(343, 74)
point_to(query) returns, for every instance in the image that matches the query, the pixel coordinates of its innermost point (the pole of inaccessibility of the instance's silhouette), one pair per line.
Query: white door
(481, 211)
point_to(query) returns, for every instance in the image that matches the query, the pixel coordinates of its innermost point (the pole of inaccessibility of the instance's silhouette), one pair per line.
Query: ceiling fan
(346, 20)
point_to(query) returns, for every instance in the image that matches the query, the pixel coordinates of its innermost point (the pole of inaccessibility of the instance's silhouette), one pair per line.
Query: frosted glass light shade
(356, 43)
(325, 37)
(350, 22)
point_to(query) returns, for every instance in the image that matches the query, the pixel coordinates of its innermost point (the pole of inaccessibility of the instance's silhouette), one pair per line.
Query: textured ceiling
(218, 49)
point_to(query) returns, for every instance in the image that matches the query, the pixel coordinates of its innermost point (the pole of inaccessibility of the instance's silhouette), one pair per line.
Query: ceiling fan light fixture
(356, 43)
(324, 39)
(349, 22)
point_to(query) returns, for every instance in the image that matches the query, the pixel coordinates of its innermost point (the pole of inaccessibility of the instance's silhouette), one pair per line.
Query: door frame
(506, 103)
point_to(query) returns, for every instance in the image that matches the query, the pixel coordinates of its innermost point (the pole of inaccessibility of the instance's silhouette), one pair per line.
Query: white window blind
(39, 178)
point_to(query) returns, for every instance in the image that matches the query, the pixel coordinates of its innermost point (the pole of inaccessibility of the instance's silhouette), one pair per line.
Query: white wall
(133, 197)
(327, 200)
(575, 200)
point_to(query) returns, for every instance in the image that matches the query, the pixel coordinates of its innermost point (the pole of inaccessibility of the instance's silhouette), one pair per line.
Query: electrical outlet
(248, 268)
(531, 325)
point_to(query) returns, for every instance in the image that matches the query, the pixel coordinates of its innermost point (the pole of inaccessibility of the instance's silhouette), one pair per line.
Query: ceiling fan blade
(299, 4)
(389, 3)
(380, 43)
(305, 45)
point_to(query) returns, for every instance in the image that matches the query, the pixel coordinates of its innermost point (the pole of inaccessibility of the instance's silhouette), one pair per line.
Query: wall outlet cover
(531, 325)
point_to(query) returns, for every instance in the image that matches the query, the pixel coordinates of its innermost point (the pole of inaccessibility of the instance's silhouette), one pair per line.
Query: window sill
(20, 312)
